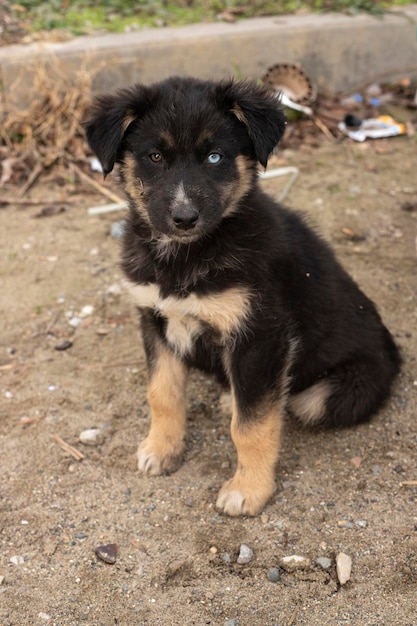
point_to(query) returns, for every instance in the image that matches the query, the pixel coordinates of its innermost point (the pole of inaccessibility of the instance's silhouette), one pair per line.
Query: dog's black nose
(185, 216)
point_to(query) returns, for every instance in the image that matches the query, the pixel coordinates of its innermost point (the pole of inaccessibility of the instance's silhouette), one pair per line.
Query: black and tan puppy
(229, 282)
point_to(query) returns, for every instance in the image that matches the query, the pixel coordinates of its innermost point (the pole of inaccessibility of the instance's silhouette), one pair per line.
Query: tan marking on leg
(310, 405)
(257, 444)
(161, 452)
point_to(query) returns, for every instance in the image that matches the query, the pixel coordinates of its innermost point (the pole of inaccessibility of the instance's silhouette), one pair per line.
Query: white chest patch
(187, 317)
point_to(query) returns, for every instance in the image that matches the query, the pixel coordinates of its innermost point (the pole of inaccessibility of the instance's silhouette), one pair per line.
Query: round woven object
(292, 81)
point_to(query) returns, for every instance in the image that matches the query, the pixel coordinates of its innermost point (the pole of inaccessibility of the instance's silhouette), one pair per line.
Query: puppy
(229, 282)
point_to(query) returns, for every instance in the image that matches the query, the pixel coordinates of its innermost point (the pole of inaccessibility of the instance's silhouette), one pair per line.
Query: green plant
(83, 16)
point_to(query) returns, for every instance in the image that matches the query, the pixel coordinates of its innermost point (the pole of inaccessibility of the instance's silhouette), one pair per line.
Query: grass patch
(83, 16)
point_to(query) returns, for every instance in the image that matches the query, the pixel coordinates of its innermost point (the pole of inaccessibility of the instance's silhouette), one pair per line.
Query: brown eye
(155, 157)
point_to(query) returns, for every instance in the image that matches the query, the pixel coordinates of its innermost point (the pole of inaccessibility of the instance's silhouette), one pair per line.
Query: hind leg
(348, 395)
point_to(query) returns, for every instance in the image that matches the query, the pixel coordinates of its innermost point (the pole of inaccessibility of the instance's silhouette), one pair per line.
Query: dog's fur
(230, 282)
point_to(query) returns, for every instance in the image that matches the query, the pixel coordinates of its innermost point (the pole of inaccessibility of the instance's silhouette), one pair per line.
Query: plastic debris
(372, 128)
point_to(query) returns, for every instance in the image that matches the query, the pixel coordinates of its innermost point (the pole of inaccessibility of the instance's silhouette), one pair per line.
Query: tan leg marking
(257, 446)
(162, 450)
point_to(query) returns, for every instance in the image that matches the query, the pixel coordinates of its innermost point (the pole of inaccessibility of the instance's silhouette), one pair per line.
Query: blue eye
(214, 158)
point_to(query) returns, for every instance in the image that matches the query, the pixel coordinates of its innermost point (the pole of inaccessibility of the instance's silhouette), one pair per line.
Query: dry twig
(293, 617)
(78, 456)
(103, 190)
(7, 367)
(51, 130)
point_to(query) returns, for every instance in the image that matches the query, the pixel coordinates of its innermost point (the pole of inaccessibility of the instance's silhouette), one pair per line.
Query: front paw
(156, 458)
(242, 496)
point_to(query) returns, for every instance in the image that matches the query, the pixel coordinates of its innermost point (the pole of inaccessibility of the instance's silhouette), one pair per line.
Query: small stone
(16, 559)
(294, 562)
(344, 523)
(361, 523)
(213, 550)
(231, 622)
(50, 545)
(74, 322)
(63, 345)
(102, 330)
(86, 310)
(245, 554)
(226, 558)
(343, 567)
(273, 575)
(107, 553)
(92, 437)
(324, 562)
(114, 290)
(264, 518)
(44, 616)
(409, 207)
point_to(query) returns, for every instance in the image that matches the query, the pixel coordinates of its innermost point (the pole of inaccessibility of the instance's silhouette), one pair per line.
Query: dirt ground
(341, 491)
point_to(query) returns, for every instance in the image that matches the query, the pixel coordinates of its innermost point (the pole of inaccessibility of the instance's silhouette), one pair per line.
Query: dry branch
(50, 132)
(103, 190)
(78, 456)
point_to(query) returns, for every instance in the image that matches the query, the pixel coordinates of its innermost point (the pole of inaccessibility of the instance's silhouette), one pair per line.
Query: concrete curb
(339, 52)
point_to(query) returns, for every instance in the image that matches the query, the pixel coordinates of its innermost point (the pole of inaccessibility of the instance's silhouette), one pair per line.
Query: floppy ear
(111, 115)
(259, 110)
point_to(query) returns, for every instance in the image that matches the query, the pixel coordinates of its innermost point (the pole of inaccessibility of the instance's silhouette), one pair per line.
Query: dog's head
(187, 149)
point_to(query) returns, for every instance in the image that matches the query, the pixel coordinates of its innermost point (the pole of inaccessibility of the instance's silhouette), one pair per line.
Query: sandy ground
(341, 491)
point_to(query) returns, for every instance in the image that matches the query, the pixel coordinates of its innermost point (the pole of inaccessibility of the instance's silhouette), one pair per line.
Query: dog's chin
(169, 244)
(187, 237)
(182, 237)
